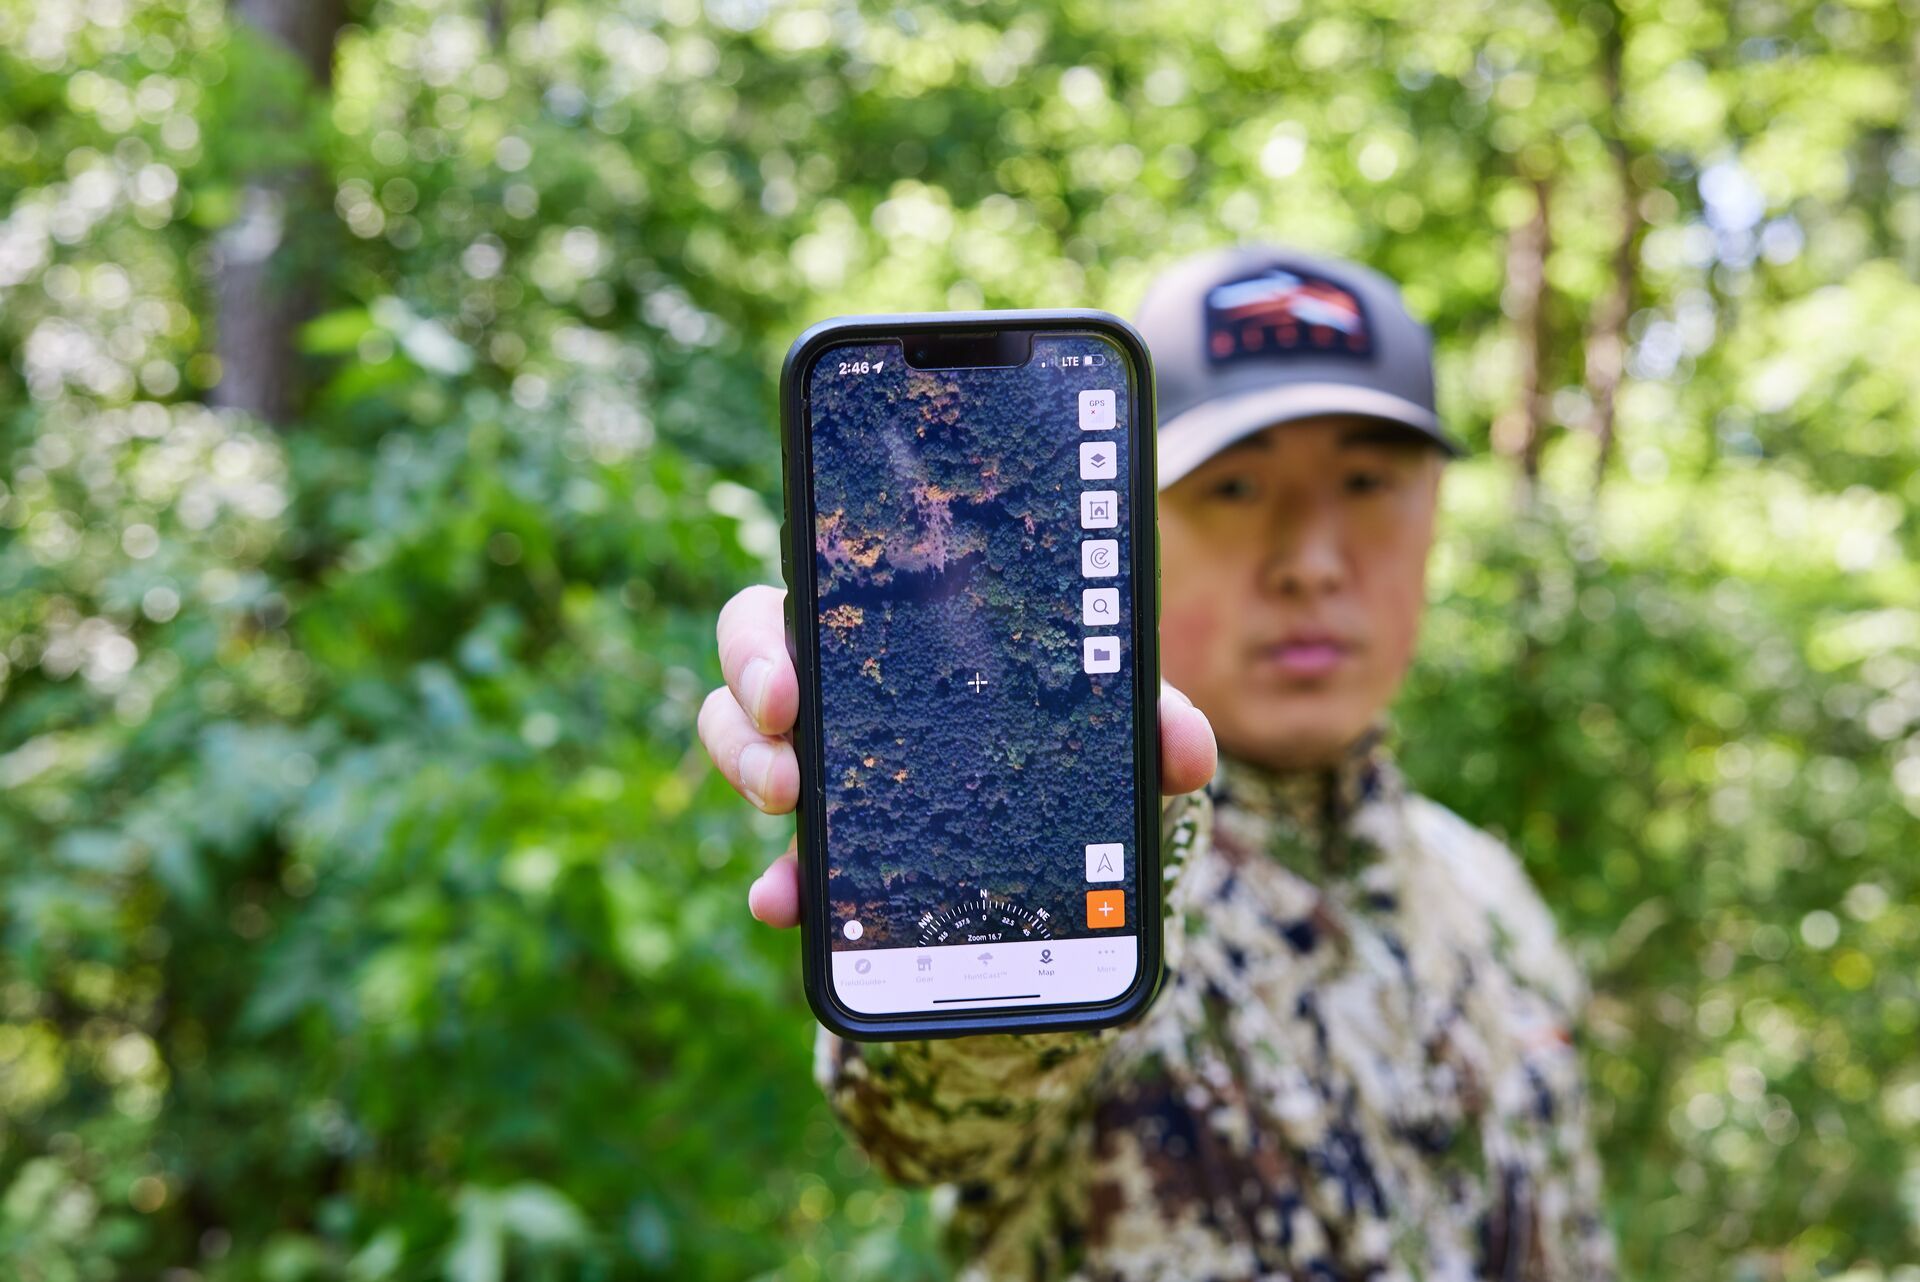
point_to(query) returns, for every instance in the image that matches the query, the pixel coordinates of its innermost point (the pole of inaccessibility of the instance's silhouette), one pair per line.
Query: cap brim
(1192, 438)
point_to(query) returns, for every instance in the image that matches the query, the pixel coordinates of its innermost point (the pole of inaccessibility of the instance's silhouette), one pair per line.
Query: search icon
(1099, 605)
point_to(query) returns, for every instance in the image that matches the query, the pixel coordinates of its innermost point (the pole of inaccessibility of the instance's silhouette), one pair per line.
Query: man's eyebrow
(1257, 442)
(1371, 435)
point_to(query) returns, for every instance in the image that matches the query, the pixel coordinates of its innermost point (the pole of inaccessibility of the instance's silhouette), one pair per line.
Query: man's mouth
(1306, 655)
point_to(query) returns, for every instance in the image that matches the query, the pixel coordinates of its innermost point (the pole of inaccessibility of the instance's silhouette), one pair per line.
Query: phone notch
(985, 349)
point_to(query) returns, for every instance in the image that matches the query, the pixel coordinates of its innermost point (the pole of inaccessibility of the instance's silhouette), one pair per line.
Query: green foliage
(368, 910)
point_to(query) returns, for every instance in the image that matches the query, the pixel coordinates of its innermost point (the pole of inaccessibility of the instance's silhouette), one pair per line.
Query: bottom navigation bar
(1027, 972)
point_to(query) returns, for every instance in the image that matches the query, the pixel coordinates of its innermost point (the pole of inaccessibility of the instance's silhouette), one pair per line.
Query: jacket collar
(1305, 817)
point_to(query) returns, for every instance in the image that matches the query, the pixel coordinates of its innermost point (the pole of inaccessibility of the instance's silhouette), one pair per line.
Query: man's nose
(1306, 558)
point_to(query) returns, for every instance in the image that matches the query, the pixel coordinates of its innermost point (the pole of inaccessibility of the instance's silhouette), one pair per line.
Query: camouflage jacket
(1360, 1066)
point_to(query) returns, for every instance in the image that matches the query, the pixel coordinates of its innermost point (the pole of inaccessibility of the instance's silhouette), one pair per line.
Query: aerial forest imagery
(965, 748)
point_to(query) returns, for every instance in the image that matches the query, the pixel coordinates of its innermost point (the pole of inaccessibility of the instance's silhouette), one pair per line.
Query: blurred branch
(1521, 431)
(500, 24)
(1607, 341)
(257, 309)
(306, 28)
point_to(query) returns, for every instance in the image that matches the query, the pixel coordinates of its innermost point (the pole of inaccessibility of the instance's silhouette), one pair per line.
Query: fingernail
(756, 772)
(754, 681)
(1176, 693)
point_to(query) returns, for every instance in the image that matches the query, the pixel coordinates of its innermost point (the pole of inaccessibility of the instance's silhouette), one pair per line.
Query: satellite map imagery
(967, 746)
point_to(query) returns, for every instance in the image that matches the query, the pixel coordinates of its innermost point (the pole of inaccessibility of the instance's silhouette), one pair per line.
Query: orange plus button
(1106, 908)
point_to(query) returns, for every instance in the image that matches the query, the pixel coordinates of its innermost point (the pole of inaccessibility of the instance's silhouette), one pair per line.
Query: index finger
(753, 656)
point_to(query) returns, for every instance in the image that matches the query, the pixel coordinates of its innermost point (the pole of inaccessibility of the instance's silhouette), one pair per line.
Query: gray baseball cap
(1247, 337)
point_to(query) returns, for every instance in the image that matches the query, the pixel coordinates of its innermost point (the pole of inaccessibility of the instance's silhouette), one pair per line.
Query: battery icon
(1096, 359)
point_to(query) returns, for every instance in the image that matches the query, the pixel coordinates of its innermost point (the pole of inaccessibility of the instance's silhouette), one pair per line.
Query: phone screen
(973, 541)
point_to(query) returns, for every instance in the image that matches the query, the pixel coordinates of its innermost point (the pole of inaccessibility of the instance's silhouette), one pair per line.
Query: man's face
(1293, 577)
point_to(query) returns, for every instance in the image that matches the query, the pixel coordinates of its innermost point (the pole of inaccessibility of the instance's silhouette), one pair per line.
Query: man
(1361, 1063)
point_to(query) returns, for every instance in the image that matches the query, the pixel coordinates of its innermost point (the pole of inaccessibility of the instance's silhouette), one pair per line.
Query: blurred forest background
(387, 407)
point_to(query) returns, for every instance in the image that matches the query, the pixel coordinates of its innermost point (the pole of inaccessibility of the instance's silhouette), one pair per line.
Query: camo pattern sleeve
(983, 1110)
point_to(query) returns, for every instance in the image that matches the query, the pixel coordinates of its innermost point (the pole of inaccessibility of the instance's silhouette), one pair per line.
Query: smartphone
(971, 558)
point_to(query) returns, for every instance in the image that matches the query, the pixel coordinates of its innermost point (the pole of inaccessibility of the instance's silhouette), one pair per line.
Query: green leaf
(336, 332)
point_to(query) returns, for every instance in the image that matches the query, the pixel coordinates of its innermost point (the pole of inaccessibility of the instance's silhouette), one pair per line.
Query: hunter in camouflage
(1362, 1063)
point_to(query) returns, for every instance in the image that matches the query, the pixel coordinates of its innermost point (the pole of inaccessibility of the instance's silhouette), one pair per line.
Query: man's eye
(1366, 482)
(1234, 489)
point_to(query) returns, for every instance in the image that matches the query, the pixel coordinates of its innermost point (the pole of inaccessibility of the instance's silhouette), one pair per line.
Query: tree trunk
(1607, 342)
(258, 309)
(1521, 431)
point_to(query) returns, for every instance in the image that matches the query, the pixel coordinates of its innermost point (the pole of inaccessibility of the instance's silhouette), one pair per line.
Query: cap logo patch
(1284, 312)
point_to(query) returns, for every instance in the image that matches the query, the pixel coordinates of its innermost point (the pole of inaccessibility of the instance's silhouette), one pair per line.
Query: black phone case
(796, 549)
